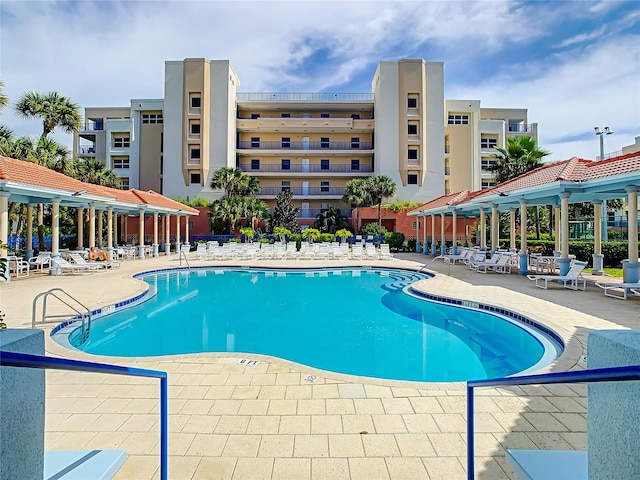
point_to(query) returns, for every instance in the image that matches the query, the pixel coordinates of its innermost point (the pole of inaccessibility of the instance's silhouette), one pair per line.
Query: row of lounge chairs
(281, 251)
(476, 259)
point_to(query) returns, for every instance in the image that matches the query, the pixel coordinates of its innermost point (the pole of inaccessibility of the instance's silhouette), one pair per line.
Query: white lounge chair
(501, 265)
(64, 266)
(40, 262)
(18, 266)
(461, 257)
(619, 290)
(79, 259)
(573, 279)
(483, 263)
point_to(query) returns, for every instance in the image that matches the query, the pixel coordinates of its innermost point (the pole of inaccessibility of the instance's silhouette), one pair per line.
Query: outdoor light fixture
(601, 134)
(78, 193)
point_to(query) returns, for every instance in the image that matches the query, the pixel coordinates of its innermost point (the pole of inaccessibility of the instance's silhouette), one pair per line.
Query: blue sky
(574, 64)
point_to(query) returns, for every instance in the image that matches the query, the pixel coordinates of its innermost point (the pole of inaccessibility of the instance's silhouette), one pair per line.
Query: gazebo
(571, 181)
(32, 184)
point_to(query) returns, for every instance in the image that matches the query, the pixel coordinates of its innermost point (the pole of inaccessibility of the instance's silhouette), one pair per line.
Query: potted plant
(4, 265)
(343, 234)
(281, 233)
(310, 234)
(248, 234)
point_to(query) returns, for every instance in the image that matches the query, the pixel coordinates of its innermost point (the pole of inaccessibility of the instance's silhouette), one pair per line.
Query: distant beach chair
(619, 290)
(573, 279)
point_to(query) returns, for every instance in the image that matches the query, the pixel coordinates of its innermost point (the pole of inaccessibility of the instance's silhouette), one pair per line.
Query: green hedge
(614, 252)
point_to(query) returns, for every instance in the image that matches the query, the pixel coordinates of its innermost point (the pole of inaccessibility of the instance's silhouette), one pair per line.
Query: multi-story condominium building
(309, 143)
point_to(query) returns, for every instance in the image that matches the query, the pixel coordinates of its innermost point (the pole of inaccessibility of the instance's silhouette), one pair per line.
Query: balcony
(279, 145)
(92, 127)
(305, 168)
(305, 124)
(447, 148)
(303, 97)
(303, 191)
(86, 150)
(306, 117)
(520, 128)
(314, 212)
(447, 170)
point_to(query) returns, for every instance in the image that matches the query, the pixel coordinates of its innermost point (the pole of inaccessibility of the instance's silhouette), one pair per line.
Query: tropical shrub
(327, 237)
(311, 234)
(297, 238)
(248, 233)
(395, 240)
(343, 235)
(411, 245)
(281, 233)
(373, 229)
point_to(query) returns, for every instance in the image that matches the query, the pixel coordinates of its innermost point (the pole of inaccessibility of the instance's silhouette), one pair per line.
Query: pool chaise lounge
(619, 290)
(573, 279)
(64, 266)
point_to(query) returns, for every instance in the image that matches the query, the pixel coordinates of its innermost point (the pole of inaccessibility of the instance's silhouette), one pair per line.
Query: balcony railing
(303, 191)
(303, 97)
(447, 170)
(447, 149)
(279, 145)
(301, 115)
(617, 153)
(302, 168)
(92, 127)
(84, 150)
(313, 212)
(519, 128)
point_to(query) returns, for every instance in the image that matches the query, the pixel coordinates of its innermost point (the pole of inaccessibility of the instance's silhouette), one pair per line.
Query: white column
(30, 228)
(155, 234)
(92, 226)
(99, 233)
(4, 222)
(186, 229)
(167, 232)
(80, 228)
(424, 232)
(178, 233)
(556, 226)
(564, 224)
(141, 227)
(495, 239)
(443, 240)
(126, 228)
(482, 230)
(523, 226)
(512, 228)
(115, 227)
(454, 230)
(597, 227)
(433, 229)
(109, 228)
(55, 225)
(632, 205)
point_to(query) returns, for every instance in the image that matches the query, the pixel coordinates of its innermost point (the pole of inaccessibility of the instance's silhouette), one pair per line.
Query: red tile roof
(35, 175)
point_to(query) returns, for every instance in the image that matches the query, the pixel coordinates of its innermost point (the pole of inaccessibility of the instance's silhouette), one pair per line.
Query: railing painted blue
(303, 97)
(13, 359)
(306, 168)
(614, 374)
(303, 191)
(288, 145)
(319, 116)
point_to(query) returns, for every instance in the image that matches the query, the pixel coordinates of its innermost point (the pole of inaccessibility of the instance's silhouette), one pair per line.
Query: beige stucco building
(309, 143)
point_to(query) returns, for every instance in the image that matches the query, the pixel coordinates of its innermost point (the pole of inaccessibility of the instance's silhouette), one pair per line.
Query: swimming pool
(353, 321)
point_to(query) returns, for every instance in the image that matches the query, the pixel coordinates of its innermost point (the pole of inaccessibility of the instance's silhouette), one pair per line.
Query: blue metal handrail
(13, 359)
(614, 374)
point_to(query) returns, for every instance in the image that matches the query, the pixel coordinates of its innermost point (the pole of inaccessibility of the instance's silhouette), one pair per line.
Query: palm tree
(331, 220)
(356, 195)
(228, 179)
(521, 156)
(54, 110)
(248, 185)
(229, 210)
(379, 188)
(4, 100)
(255, 208)
(91, 170)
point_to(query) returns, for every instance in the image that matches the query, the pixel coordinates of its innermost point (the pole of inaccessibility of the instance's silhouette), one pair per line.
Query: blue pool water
(358, 322)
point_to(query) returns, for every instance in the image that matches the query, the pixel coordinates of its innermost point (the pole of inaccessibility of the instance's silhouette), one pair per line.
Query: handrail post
(470, 435)
(164, 428)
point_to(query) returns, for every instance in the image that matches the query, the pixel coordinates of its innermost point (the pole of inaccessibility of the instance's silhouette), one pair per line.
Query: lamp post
(601, 134)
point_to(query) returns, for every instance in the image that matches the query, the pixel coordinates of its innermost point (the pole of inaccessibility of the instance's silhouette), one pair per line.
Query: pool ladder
(80, 311)
(183, 254)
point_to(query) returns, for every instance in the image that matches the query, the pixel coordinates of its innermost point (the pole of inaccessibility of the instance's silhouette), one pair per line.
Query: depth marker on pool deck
(310, 378)
(247, 362)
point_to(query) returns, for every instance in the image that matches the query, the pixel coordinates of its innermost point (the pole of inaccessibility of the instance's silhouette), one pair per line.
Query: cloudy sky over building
(574, 64)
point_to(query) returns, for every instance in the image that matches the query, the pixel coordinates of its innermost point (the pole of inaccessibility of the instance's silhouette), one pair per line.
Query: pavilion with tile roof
(31, 184)
(570, 181)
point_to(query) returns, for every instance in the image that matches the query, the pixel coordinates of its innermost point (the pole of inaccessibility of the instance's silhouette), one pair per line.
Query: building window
(416, 225)
(255, 142)
(151, 118)
(255, 164)
(412, 154)
(285, 164)
(324, 187)
(285, 115)
(488, 184)
(120, 162)
(194, 178)
(324, 142)
(488, 142)
(324, 164)
(488, 164)
(324, 115)
(255, 116)
(412, 129)
(124, 183)
(194, 129)
(458, 120)
(286, 185)
(194, 100)
(121, 142)
(355, 116)
(355, 164)
(355, 142)
(412, 179)
(194, 153)
(324, 207)
(412, 102)
(286, 142)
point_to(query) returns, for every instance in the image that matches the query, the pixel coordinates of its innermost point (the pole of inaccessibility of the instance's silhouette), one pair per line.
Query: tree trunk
(380, 215)
(41, 246)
